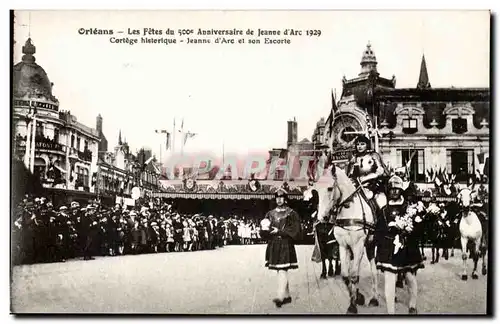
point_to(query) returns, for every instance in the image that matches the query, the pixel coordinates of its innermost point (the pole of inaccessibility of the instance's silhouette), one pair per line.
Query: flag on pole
(182, 126)
(408, 164)
(334, 104)
(187, 136)
(173, 138)
(168, 141)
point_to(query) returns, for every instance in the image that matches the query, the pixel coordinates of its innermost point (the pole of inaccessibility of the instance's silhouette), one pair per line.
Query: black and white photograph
(250, 162)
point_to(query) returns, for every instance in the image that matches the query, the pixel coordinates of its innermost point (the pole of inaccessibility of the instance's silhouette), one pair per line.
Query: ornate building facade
(65, 155)
(427, 130)
(54, 146)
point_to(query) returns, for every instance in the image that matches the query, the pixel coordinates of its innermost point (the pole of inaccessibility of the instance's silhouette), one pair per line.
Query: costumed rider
(366, 168)
(281, 228)
(398, 231)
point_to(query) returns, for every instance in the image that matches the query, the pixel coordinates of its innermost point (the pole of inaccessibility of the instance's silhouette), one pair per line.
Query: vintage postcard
(250, 162)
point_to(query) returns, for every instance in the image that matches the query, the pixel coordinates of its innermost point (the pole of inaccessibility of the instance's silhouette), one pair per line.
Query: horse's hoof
(432, 262)
(475, 276)
(360, 299)
(424, 258)
(278, 302)
(352, 309)
(464, 277)
(330, 274)
(373, 302)
(484, 271)
(323, 276)
(399, 284)
(412, 311)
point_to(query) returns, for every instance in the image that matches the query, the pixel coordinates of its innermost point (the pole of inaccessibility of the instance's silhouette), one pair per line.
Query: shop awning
(231, 196)
(229, 189)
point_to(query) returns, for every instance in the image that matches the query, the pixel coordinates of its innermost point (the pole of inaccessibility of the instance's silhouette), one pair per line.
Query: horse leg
(358, 252)
(323, 268)
(438, 246)
(484, 249)
(337, 260)
(463, 241)
(475, 257)
(422, 250)
(370, 253)
(445, 247)
(344, 255)
(433, 249)
(337, 267)
(330, 268)
(452, 243)
(399, 281)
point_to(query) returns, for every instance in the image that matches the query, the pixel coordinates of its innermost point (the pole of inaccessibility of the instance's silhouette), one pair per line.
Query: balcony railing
(85, 155)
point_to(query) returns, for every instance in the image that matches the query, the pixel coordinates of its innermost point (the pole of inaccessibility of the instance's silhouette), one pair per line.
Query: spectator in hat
(211, 232)
(178, 230)
(170, 238)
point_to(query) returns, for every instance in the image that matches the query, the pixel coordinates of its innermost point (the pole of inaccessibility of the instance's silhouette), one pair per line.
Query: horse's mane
(344, 182)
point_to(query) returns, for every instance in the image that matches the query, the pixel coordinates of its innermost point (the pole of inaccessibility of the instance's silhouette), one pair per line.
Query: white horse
(470, 231)
(353, 217)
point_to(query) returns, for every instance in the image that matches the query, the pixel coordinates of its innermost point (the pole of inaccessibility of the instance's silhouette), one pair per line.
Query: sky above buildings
(241, 96)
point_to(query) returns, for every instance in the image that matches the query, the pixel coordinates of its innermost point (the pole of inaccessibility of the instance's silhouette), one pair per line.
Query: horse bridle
(340, 204)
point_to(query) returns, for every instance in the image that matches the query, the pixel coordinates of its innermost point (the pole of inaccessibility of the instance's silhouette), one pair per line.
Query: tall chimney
(99, 124)
(292, 133)
(295, 132)
(289, 140)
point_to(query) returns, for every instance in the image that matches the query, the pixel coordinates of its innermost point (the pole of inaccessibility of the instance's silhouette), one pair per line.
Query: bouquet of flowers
(265, 224)
(433, 209)
(405, 224)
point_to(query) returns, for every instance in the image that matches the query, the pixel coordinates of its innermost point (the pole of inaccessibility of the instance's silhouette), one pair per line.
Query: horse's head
(466, 196)
(333, 188)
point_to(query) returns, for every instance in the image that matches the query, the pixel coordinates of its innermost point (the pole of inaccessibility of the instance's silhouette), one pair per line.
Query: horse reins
(351, 222)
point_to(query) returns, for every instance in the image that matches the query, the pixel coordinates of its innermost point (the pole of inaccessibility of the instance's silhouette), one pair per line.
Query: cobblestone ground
(231, 280)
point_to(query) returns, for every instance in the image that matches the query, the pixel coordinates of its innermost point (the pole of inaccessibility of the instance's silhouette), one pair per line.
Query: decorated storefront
(246, 198)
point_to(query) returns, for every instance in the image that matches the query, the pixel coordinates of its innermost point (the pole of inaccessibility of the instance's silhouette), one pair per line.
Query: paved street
(225, 281)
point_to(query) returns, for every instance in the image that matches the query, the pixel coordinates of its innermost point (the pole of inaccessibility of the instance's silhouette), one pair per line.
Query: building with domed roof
(53, 145)
(426, 130)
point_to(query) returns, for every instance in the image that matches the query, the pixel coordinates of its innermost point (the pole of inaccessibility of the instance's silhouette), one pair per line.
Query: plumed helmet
(281, 193)
(395, 182)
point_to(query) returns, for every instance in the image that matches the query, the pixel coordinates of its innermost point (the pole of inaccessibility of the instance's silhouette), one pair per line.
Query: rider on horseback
(366, 168)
